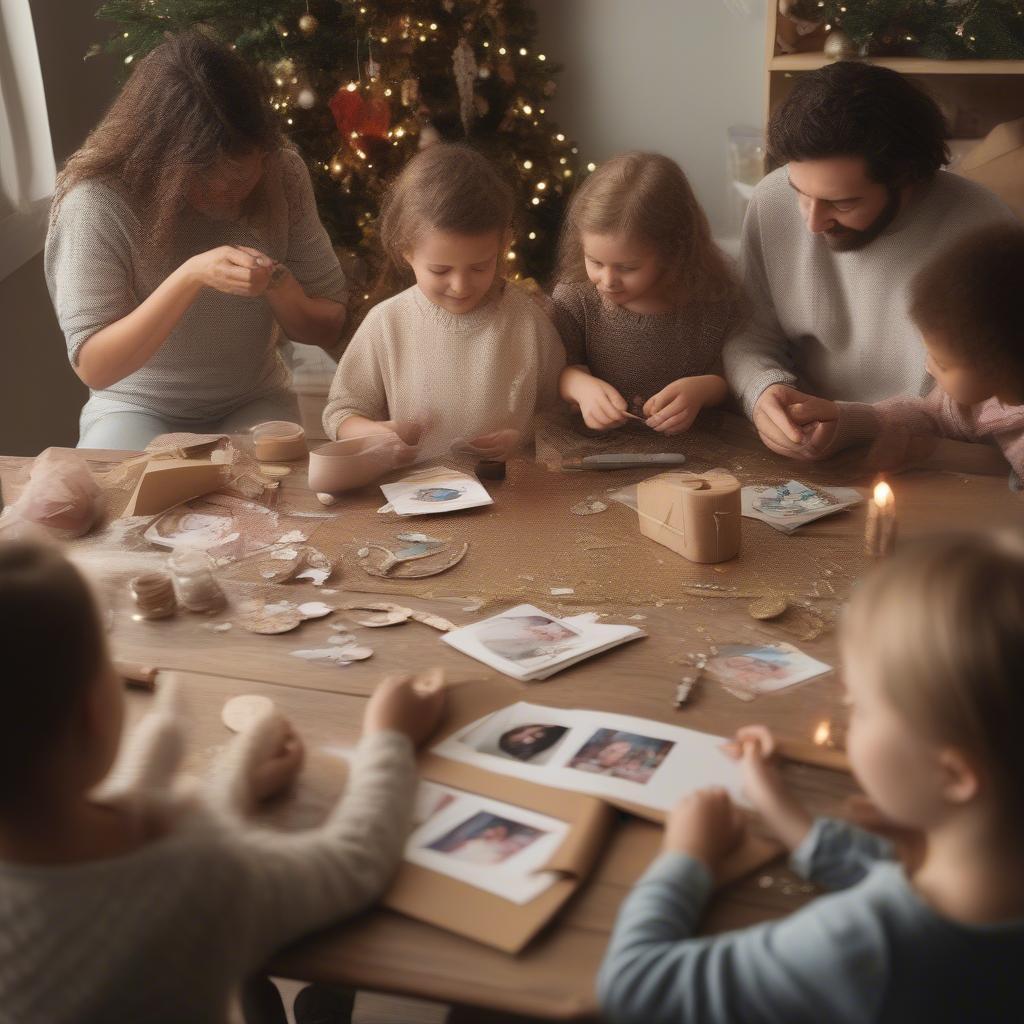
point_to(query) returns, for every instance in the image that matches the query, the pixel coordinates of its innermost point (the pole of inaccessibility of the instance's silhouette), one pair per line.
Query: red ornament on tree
(347, 107)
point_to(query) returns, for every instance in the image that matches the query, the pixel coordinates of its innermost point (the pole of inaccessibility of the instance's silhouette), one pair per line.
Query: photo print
(621, 755)
(486, 838)
(433, 490)
(762, 668)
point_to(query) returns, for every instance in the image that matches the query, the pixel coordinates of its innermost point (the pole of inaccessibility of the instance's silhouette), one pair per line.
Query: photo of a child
(622, 755)
(486, 838)
(522, 637)
(761, 669)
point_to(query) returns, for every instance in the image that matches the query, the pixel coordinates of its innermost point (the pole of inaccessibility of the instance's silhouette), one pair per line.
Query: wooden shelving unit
(976, 95)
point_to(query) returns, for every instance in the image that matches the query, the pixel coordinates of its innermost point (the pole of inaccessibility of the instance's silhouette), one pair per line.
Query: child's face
(963, 383)
(898, 768)
(614, 753)
(622, 269)
(455, 271)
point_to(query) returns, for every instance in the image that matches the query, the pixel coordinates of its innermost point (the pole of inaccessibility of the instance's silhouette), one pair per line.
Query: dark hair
(188, 103)
(524, 751)
(973, 295)
(54, 647)
(855, 109)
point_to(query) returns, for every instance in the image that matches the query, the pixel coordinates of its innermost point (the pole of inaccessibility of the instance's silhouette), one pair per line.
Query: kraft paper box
(696, 515)
(168, 482)
(466, 910)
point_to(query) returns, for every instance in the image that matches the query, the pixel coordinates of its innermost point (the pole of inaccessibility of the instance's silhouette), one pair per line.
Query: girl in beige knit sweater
(462, 353)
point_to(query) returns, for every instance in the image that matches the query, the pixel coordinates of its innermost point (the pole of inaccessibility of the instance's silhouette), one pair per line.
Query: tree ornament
(375, 118)
(550, 87)
(464, 65)
(306, 99)
(347, 107)
(448, 5)
(308, 24)
(483, 71)
(410, 92)
(839, 46)
(372, 69)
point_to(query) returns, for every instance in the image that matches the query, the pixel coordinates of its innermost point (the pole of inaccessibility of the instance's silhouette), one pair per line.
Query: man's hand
(779, 428)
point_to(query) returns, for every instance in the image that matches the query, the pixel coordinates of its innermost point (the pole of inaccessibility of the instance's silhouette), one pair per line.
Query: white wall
(666, 75)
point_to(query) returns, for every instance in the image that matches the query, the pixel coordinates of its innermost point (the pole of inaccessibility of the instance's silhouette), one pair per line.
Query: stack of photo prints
(789, 506)
(527, 643)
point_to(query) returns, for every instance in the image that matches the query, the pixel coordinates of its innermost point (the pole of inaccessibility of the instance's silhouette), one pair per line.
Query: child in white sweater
(462, 353)
(141, 902)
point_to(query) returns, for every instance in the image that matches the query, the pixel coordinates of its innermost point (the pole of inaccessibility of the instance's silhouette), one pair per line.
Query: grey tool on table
(624, 460)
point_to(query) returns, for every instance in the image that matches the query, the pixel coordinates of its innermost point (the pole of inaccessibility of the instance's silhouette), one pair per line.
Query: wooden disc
(770, 606)
(240, 712)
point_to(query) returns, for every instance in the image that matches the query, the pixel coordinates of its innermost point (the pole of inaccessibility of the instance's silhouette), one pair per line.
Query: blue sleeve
(825, 963)
(836, 854)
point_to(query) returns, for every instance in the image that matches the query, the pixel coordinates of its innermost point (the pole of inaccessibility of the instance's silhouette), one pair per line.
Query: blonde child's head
(969, 306)
(635, 229)
(62, 715)
(933, 649)
(446, 223)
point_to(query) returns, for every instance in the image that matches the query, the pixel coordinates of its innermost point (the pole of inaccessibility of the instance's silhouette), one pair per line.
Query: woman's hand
(707, 825)
(233, 270)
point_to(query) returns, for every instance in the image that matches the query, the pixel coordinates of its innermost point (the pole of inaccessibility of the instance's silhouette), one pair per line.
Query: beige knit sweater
(165, 934)
(458, 375)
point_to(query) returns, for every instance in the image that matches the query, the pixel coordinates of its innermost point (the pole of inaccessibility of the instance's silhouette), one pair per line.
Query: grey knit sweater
(223, 352)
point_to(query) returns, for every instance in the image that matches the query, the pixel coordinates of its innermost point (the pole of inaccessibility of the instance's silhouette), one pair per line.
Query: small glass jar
(194, 581)
(153, 594)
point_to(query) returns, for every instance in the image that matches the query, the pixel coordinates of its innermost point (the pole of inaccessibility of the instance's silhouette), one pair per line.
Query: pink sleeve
(1012, 444)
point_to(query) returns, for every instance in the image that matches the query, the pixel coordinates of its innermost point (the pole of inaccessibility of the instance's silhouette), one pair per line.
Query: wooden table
(553, 978)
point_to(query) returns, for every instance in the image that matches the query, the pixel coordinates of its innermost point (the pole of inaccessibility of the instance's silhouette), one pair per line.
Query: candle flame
(883, 494)
(823, 733)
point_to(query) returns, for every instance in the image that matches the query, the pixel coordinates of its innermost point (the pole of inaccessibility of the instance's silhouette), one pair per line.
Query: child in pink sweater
(969, 307)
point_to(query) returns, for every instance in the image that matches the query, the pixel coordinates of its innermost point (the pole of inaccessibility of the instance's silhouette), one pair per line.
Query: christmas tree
(940, 29)
(361, 84)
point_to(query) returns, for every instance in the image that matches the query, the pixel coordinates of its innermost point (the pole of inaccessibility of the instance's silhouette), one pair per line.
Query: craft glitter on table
(529, 547)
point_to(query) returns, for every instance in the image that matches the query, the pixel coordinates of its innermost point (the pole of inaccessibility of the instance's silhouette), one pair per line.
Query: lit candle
(823, 734)
(880, 533)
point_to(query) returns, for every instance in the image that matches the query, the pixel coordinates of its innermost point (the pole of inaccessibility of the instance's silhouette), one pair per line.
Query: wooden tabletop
(553, 978)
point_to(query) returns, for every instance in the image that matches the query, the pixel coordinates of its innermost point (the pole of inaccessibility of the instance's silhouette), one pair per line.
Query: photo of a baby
(522, 637)
(622, 755)
(486, 838)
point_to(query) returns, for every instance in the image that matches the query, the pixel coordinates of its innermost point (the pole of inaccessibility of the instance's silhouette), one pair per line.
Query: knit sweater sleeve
(87, 263)
(358, 388)
(294, 883)
(826, 962)
(550, 360)
(758, 354)
(311, 257)
(570, 321)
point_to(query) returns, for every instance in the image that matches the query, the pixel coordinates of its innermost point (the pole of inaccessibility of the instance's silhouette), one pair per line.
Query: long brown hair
(446, 187)
(646, 196)
(188, 103)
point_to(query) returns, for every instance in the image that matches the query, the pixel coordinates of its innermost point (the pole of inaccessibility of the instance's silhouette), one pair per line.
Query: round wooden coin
(240, 712)
(770, 606)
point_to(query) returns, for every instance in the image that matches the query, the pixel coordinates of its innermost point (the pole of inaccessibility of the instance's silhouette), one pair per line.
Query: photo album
(616, 757)
(529, 644)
